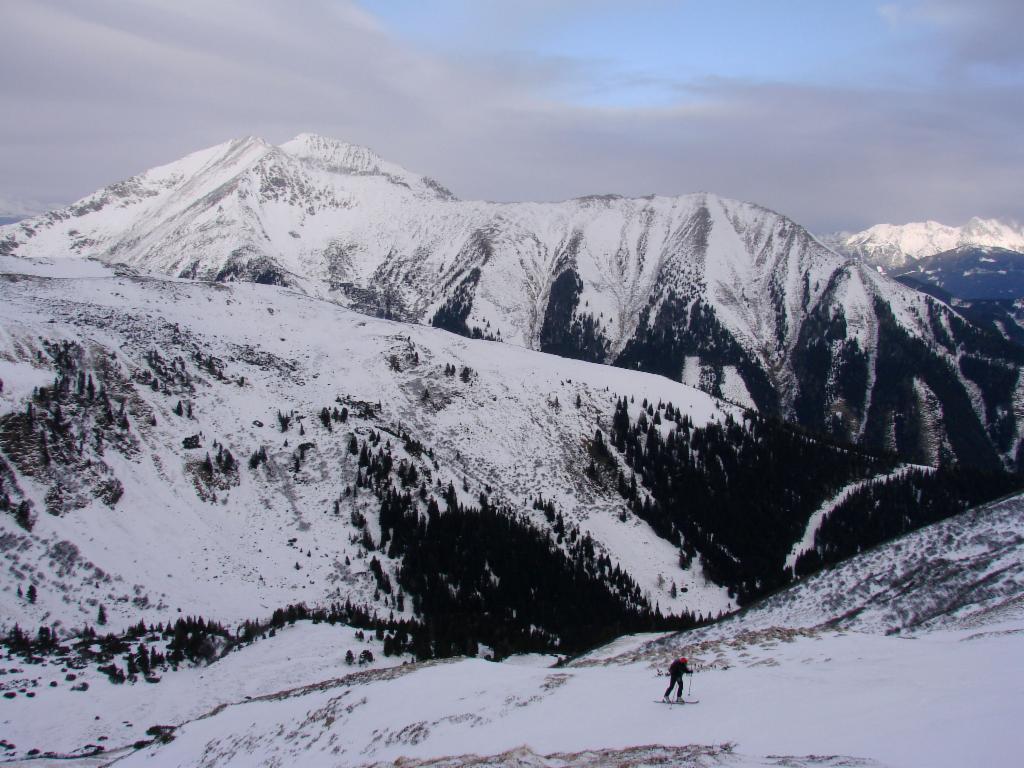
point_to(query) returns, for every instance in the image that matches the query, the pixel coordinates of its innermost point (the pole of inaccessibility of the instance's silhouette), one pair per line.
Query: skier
(678, 668)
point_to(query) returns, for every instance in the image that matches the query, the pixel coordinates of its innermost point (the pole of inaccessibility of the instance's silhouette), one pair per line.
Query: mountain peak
(313, 139)
(993, 229)
(334, 154)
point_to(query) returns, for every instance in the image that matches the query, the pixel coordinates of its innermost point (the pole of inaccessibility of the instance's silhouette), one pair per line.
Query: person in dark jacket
(676, 671)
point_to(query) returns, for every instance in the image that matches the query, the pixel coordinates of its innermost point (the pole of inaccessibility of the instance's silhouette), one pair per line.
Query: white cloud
(103, 90)
(980, 33)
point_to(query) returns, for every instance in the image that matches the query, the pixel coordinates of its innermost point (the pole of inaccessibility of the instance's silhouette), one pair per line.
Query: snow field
(945, 699)
(64, 721)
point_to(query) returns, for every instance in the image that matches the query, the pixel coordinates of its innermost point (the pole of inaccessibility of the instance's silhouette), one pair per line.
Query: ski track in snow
(814, 523)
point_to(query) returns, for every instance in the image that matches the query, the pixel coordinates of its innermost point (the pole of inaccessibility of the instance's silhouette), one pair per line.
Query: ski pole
(690, 687)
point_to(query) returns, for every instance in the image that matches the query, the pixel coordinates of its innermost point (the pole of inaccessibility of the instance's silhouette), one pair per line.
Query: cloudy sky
(839, 114)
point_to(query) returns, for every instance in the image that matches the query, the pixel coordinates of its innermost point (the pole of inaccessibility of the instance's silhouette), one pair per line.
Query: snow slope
(817, 700)
(963, 572)
(784, 683)
(305, 654)
(271, 537)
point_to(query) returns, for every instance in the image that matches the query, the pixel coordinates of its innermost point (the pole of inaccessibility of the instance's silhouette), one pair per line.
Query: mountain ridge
(731, 296)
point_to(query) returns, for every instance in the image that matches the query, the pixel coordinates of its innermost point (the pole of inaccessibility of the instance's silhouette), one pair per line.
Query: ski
(679, 703)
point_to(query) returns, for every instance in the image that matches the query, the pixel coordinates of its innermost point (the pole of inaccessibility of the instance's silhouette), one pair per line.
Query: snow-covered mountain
(728, 296)
(128, 516)
(893, 246)
(218, 497)
(335, 220)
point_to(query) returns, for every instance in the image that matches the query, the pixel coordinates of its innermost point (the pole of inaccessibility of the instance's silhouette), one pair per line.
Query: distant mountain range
(731, 297)
(898, 246)
(980, 261)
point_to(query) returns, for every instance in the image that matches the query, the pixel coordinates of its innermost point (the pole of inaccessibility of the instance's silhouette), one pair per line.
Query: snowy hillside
(961, 573)
(730, 296)
(892, 246)
(903, 657)
(174, 448)
(243, 361)
(777, 699)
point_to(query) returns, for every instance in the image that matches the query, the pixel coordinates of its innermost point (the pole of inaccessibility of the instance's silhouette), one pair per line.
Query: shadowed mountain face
(727, 296)
(969, 272)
